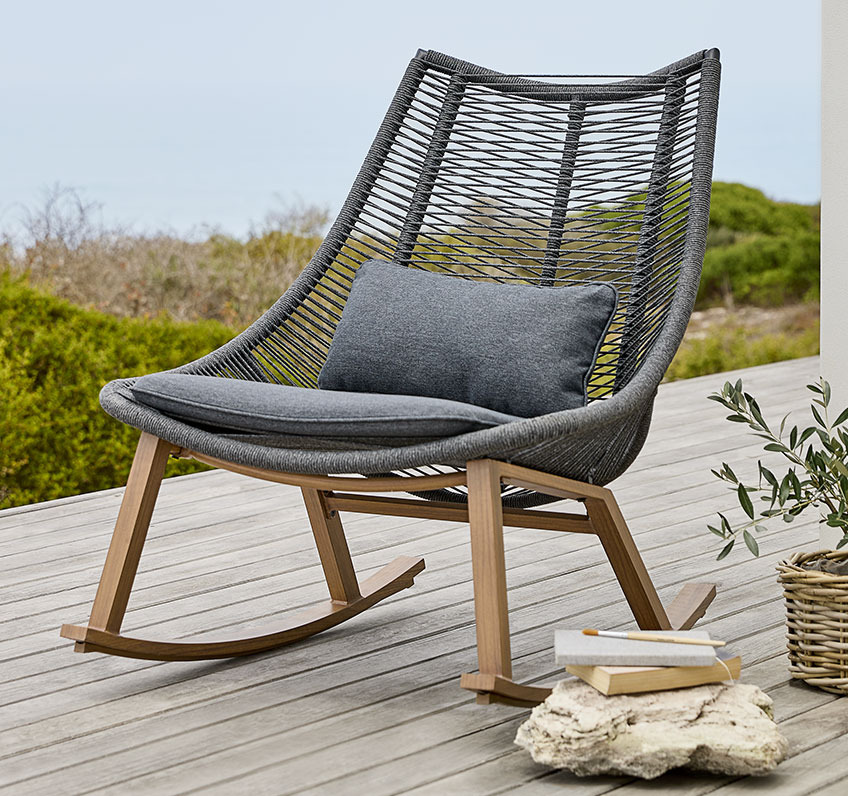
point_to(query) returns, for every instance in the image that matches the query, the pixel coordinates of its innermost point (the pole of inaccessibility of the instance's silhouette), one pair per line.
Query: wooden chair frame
(348, 597)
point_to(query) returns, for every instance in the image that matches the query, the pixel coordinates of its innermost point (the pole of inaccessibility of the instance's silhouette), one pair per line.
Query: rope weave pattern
(545, 181)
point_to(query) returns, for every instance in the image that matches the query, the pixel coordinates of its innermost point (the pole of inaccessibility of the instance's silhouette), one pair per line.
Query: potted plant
(815, 584)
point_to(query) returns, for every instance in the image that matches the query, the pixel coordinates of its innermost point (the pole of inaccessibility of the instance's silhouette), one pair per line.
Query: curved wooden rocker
(397, 575)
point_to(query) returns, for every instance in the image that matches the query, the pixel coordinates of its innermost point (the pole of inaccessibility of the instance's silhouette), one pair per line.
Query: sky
(186, 115)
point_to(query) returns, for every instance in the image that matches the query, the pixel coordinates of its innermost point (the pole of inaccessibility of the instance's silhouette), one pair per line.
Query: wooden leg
(485, 518)
(332, 547)
(494, 682)
(113, 592)
(627, 564)
(687, 607)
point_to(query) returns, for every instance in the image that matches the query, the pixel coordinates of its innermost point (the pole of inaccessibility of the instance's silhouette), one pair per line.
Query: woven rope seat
(546, 181)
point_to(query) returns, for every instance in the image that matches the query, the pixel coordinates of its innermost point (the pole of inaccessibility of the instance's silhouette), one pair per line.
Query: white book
(574, 648)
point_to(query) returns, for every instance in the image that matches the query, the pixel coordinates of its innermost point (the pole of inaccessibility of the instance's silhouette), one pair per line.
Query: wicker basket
(817, 621)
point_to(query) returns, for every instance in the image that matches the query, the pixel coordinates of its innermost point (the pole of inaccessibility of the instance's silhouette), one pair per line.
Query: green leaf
(793, 437)
(826, 391)
(783, 492)
(755, 411)
(751, 542)
(725, 550)
(716, 531)
(806, 434)
(767, 474)
(814, 388)
(843, 416)
(796, 485)
(777, 447)
(816, 415)
(730, 473)
(745, 501)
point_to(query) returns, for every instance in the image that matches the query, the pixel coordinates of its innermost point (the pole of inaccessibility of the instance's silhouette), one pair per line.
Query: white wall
(834, 239)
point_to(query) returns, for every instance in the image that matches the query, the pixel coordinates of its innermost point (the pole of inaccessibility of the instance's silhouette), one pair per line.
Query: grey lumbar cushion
(261, 407)
(518, 349)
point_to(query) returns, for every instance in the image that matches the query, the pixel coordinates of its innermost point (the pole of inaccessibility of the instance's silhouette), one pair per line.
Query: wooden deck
(374, 706)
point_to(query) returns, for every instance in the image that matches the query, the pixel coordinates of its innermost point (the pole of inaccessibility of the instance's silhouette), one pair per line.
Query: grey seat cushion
(272, 408)
(518, 349)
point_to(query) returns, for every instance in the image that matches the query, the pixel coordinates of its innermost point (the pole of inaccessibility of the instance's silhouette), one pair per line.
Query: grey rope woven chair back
(508, 178)
(537, 180)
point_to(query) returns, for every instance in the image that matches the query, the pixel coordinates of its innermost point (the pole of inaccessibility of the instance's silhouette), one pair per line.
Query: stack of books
(630, 666)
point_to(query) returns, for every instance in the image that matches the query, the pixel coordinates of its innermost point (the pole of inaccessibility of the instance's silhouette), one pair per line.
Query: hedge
(766, 270)
(54, 358)
(744, 209)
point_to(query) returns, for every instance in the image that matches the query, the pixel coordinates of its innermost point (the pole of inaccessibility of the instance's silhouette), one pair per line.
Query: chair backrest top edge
(448, 63)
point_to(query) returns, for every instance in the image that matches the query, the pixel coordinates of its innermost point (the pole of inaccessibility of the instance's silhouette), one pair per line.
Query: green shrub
(54, 358)
(731, 348)
(766, 270)
(743, 209)
(759, 251)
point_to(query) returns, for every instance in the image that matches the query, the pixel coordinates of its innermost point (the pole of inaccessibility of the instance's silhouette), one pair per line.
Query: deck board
(374, 705)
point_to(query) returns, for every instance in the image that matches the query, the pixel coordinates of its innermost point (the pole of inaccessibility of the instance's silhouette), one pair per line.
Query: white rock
(722, 728)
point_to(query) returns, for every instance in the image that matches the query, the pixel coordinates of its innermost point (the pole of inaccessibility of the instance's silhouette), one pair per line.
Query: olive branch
(817, 476)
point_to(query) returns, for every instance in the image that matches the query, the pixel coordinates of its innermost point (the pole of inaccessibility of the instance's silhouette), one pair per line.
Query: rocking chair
(534, 181)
